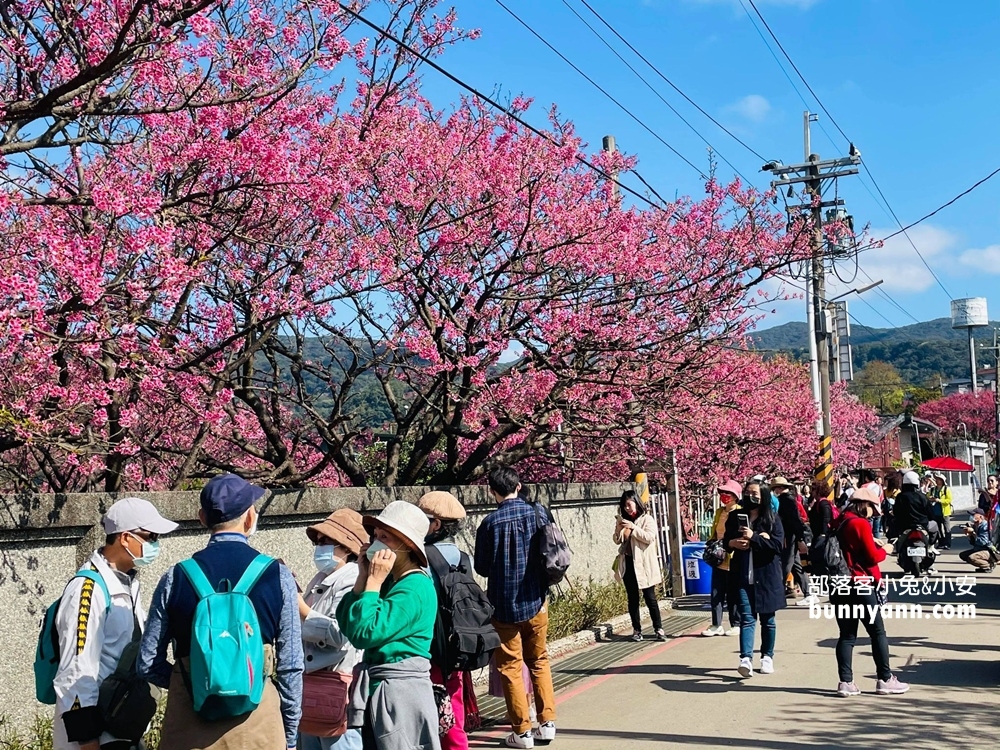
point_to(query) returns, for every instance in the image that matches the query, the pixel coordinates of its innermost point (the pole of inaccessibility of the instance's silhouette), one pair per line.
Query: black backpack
(464, 636)
(828, 557)
(550, 547)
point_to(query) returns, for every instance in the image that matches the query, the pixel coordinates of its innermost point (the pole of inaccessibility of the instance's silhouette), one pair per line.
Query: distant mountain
(921, 352)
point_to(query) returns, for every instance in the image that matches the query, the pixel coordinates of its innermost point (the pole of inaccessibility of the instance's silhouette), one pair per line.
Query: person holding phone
(638, 565)
(756, 581)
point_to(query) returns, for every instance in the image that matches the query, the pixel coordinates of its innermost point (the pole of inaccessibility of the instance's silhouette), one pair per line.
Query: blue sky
(914, 83)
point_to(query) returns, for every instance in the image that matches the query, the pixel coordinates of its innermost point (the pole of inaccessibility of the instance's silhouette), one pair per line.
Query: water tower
(970, 313)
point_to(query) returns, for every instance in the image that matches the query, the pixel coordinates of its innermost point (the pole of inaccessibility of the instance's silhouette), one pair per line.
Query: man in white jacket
(93, 632)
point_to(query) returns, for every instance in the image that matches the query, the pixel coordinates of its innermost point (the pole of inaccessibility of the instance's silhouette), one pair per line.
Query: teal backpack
(227, 653)
(47, 650)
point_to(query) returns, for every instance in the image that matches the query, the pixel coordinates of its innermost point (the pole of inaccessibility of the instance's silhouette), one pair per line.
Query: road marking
(644, 656)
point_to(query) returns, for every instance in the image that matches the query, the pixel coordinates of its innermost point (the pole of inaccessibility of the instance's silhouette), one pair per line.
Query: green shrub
(579, 607)
(38, 736)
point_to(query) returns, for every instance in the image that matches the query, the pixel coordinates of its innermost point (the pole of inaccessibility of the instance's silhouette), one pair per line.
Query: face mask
(150, 551)
(253, 528)
(378, 546)
(749, 501)
(323, 556)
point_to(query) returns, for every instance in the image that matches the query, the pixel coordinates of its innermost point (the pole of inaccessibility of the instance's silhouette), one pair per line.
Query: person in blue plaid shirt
(517, 589)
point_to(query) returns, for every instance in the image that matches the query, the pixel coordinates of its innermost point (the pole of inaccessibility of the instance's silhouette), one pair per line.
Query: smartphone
(744, 520)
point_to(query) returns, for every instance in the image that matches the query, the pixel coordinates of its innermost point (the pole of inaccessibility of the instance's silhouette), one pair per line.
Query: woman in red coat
(862, 553)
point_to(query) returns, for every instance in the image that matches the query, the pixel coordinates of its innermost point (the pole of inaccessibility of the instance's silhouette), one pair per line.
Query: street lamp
(862, 290)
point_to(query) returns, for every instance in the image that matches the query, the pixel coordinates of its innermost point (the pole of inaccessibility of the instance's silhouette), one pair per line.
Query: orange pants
(525, 643)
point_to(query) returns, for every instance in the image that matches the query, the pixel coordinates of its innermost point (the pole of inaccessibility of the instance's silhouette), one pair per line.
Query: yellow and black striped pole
(824, 462)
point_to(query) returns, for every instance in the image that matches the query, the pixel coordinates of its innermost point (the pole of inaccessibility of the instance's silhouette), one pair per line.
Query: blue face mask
(324, 555)
(378, 546)
(150, 551)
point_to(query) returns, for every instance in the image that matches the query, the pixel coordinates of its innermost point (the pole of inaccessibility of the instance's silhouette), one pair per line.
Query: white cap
(911, 477)
(133, 514)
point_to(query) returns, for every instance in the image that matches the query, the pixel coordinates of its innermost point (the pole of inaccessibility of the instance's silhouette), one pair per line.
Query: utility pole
(611, 148)
(812, 174)
(996, 400)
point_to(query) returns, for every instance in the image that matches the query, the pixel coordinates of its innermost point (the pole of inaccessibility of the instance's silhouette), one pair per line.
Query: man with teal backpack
(89, 630)
(232, 617)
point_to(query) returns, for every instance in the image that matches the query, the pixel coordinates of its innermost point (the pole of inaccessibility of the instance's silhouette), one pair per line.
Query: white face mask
(325, 558)
(253, 528)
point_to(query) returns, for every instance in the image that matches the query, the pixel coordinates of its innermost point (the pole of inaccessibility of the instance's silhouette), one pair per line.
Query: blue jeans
(877, 526)
(351, 740)
(748, 627)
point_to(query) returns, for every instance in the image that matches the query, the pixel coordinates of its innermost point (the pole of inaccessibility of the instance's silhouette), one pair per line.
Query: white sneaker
(766, 665)
(734, 630)
(807, 601)
(545, 732)
(716, 630)
(526, 740)
(746, 667)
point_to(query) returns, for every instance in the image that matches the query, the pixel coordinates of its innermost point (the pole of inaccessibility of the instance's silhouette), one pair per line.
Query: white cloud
(754, 108)
(982, 259)
(895, 262)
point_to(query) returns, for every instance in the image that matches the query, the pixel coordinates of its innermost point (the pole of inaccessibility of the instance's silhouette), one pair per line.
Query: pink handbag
(325, 695)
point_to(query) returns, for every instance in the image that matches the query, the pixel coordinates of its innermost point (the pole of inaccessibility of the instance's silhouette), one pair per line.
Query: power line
(841, 130)
(864, 183)
(652, 88)
(493, 103)
(600, 88)
(943, 206)
(902, 231)
(888, 297)
(671, 83)
(796, 69)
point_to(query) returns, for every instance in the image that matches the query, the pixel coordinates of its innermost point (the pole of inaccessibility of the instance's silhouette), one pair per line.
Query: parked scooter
(914, 552)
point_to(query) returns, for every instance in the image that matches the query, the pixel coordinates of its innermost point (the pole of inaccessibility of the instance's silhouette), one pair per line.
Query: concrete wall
(45, 538)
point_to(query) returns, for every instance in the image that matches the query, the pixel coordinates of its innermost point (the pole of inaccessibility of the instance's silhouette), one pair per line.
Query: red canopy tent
(947, 463)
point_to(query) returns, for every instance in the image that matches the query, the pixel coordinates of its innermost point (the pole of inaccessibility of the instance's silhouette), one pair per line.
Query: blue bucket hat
(228, 496)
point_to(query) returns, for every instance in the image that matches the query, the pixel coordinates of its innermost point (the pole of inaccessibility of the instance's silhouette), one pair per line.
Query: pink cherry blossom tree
(216, 255)
(974, 410)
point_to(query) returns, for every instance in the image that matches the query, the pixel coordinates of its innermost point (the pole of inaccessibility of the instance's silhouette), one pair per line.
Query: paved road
(685, 693)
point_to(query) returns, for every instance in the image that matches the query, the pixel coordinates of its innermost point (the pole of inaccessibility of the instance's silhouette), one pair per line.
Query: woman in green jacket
(390, 614)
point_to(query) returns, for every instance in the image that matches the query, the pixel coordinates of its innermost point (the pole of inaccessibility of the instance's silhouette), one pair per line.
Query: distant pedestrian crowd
(767, 536)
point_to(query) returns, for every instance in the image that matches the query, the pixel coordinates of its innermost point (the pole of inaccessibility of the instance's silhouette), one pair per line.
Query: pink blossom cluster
(221, 259)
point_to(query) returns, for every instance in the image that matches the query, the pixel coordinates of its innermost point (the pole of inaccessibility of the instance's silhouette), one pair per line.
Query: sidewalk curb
(585, 638)
(602, 632)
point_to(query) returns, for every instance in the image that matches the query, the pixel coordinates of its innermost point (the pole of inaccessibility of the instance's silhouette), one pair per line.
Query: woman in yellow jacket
(729, 497)
(942, 493)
